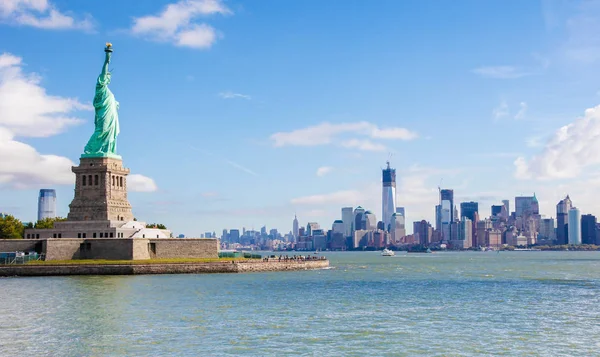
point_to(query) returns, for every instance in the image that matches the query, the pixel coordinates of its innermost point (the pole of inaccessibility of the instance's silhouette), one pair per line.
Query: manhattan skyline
(281, 109)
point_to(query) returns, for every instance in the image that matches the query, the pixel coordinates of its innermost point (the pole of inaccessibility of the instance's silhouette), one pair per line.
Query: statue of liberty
(103, 142)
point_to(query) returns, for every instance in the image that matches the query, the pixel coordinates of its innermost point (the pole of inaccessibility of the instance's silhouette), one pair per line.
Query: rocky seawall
(160, 268)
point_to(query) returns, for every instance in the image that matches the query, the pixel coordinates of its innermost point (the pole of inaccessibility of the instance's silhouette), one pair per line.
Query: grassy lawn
(127, 262)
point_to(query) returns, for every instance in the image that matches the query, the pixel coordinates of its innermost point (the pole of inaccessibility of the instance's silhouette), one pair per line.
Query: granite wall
(183, 268)
(184, 248)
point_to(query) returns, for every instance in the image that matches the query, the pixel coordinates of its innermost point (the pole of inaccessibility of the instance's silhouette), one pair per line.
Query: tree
(10, 227)
(47, 223)
(156, 225)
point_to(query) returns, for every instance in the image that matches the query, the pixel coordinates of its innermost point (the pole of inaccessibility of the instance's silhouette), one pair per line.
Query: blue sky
(241, 113)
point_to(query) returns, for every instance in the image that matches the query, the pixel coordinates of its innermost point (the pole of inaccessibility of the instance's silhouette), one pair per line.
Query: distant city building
(347, 218)
(234, 236)
(359, 222)
(423, 232)
(483, 227)
(526, 206)
(562, 212)
(438, 218)
(506, 204)
(399, 228)
(588, 229)
(388, 196)
(370, 220)
(181, 236)
(447, 212)
(338, 226)
(310, 227)
(547, 230)
(295, 227)
(301, 232)
(47, 204)
(464, 234)
(208, 235)
(497, 210)
(401, 211)
(468, 209)
(574, 228)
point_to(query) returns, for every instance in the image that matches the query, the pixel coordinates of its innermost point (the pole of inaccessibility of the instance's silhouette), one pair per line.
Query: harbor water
(443, 304)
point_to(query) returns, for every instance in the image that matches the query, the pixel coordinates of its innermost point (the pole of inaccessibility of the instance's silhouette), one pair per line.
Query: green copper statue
(103, 142)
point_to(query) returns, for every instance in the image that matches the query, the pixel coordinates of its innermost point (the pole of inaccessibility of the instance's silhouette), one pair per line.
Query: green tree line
(13, 228)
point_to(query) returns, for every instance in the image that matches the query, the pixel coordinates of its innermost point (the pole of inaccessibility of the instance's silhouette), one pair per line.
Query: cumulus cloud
(328, 133)
(25, 107)
(41, 14)
(324, 170)
(175, 24)
(21, 166)
(141, 183)
(567, 153)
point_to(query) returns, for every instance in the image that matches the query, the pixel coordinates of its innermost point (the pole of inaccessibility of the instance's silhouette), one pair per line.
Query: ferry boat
(387, 253)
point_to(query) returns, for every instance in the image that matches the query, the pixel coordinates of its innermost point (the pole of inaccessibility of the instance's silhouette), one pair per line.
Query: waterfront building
(388, 195)
(562, 212)
(438, 218)
(464, 234)
(526, 206)
(347, 218)
(310, 227)
(398, 227)
(547, 230)
(338, 226)
(588, 229)
(46, 204)
(359, 219)
(370, 220)
(423, 232)
(446, 213)
(295, 227)
(574, 228)
(468, 209)
(482, 228)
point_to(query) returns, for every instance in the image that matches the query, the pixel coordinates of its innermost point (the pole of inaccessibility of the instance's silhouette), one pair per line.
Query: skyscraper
(370, 220)
(506, 204)
(468, 209)
(295, 228)
(347, 218)
(388, 195)
(47, 204)
(358, 219)
(447, 212)
(588, 229)
(574, 226)
(547, 230)
(562, 211)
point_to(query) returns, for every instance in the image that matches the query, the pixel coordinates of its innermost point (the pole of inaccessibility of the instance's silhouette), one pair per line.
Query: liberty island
(101, 225)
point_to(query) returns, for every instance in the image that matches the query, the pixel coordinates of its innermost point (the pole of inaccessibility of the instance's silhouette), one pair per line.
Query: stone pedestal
(100, 191)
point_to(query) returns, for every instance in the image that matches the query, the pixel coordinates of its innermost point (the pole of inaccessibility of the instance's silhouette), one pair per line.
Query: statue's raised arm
(103, 142)
(104, 77)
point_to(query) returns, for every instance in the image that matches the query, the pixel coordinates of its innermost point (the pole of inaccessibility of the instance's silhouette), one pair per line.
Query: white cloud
(573, 148)
(21, 166)
(500, 111)
(232, 95)
(364, 145)
(501, 72)
(522, 110)
(39, 13)
(175, 24)
(140, 183)
(328, 133)
(25, 107)
(324, 170)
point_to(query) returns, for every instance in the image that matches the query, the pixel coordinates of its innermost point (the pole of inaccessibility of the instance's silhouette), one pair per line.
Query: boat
(387, 253)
